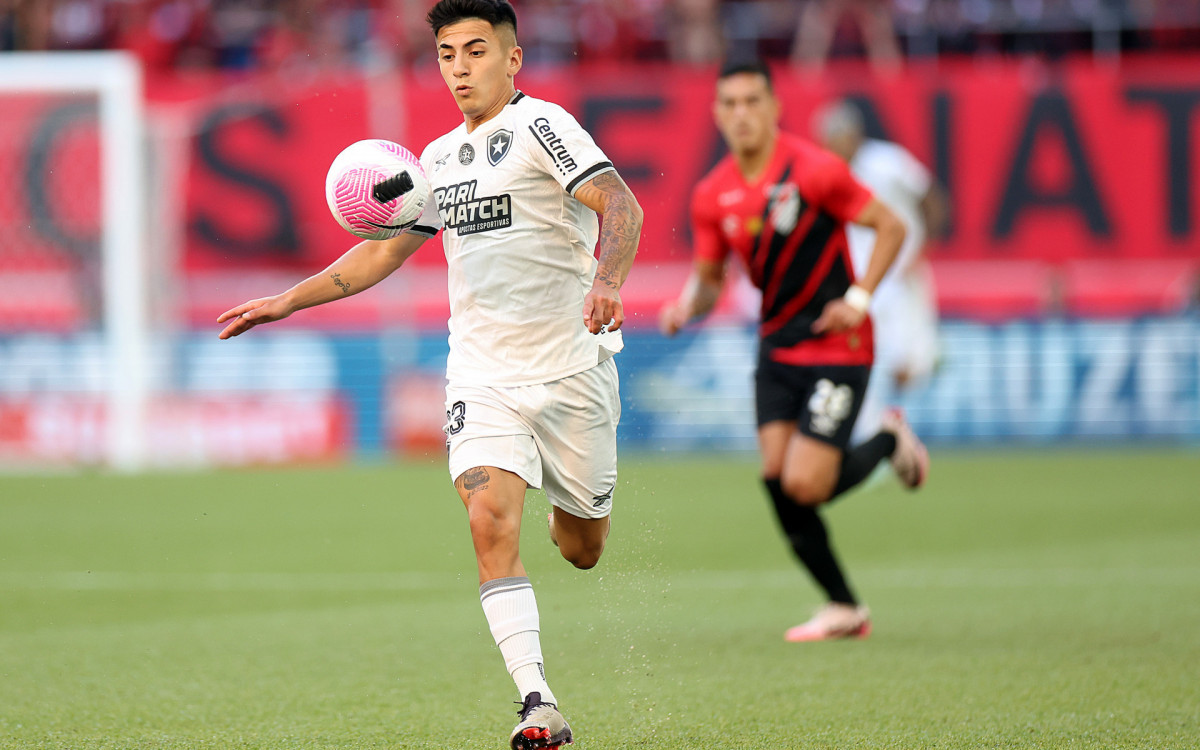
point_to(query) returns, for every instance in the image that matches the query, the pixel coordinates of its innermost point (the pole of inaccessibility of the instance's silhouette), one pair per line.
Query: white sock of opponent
(512, 615)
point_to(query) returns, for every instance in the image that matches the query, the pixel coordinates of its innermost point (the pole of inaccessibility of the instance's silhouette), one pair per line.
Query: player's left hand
(602, 307)
(838, 316)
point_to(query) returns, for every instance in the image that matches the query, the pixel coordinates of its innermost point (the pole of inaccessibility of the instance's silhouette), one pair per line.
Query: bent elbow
(636, 213)
(898, 230)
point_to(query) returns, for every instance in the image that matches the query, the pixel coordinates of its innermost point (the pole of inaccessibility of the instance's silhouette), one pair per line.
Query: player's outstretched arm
(699, 297)
(848, 312)
(608, 195)
(361, 267)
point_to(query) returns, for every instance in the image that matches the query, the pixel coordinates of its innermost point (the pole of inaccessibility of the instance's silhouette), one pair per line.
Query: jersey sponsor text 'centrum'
(554, 146)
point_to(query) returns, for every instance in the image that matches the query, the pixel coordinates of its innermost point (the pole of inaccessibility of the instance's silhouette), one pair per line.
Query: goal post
(115, 78)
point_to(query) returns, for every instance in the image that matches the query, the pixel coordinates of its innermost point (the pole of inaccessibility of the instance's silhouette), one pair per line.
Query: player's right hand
(249, 314)
(672, 318)
(837, 316)
(602, 309)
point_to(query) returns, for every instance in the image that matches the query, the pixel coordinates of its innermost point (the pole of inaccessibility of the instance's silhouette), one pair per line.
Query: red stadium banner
(1056, 163)
(257, 158)
(1073, 185)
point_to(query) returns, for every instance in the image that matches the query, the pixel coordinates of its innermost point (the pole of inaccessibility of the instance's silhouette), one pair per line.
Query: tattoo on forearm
(621, 230)
(337, 279)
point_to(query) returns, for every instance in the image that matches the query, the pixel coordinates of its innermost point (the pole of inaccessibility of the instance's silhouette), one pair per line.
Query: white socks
(512, 615)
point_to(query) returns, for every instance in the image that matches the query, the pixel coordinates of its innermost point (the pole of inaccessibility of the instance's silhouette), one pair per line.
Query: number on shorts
(456, 415)
(829, 405)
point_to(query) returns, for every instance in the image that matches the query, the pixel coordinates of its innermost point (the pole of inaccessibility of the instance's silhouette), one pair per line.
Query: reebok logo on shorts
(599, 501)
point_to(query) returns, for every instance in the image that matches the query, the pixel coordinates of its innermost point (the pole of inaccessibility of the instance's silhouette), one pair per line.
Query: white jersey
(903, 307)
(900, 182)
(519, 246)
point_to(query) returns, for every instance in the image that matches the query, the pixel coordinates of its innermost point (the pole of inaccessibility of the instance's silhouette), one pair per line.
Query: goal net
(74, 344)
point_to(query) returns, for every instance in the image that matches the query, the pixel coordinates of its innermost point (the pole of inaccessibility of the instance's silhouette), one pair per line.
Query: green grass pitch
(1022, 600)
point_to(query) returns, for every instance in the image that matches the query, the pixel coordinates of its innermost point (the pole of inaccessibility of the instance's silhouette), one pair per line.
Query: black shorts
(823, 400)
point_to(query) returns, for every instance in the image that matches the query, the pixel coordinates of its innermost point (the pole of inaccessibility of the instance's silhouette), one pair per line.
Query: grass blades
(1021, 600)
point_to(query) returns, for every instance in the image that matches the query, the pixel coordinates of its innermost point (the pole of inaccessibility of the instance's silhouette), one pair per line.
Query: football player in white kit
(904, 306)
(531, 398)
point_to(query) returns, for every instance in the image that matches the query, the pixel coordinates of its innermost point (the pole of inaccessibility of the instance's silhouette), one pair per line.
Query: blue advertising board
(1020, 381)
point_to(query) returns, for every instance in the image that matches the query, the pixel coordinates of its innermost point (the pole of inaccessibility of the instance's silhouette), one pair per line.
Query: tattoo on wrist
(337, 279)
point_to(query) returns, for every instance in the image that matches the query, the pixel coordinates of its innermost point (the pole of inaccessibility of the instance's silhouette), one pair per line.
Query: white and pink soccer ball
(376, 189)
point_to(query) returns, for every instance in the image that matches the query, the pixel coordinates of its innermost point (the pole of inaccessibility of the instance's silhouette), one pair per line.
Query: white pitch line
(127, 581)
(902, 578)
(951, 578)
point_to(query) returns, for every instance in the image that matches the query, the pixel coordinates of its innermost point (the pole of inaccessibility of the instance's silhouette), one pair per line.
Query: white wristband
(858, 298)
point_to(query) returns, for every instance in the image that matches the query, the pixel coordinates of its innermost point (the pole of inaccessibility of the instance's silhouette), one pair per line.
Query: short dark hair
(495, 12)
(753, 67)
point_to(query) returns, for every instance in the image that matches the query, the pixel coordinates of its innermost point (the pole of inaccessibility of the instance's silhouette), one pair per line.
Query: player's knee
(580, 541)
(807, 490)
(772, 466)
(491, 524)
(584, 557)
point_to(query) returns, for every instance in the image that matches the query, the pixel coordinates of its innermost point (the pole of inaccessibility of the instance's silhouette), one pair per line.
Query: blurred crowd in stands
(265, 34)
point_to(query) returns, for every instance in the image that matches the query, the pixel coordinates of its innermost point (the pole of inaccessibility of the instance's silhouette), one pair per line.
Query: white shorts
(560, 436)
(904, 312)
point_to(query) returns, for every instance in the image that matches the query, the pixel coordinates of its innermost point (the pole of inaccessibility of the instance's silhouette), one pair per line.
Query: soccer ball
(376, 189)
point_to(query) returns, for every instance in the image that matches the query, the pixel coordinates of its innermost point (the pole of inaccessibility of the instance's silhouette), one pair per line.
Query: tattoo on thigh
(475, 480)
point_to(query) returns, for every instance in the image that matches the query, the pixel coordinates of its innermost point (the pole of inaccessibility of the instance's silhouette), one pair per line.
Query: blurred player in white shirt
(904, 306)
(531, 397)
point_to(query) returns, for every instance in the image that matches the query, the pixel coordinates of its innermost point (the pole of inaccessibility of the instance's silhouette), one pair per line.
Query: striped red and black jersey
(788, 227)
